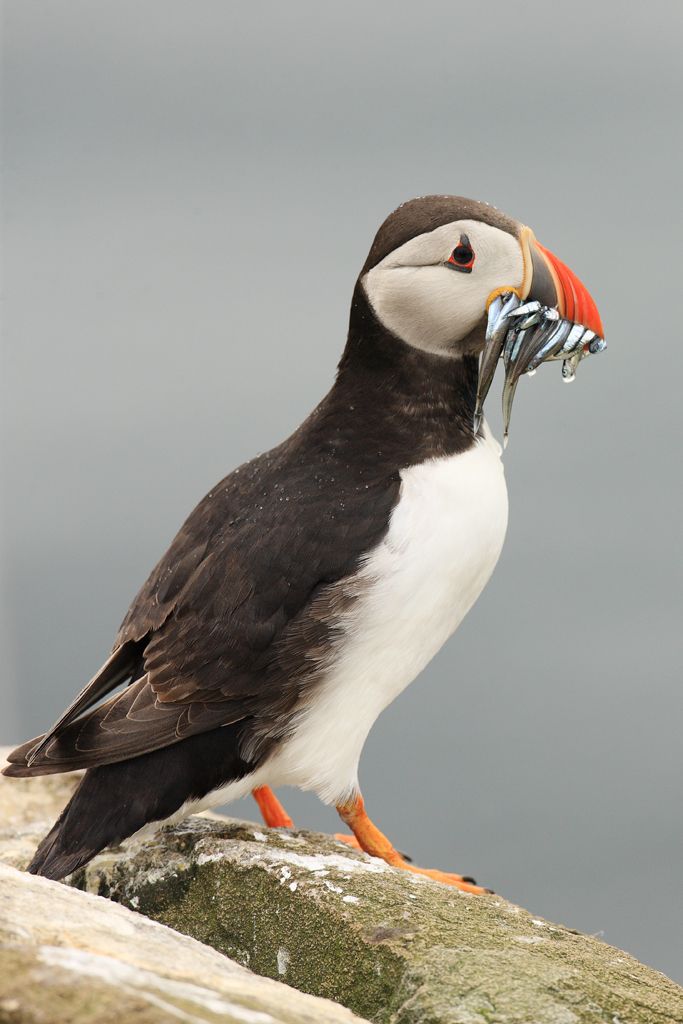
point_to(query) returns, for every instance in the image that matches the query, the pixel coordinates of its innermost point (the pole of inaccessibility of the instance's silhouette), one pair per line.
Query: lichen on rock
(389, 945)
(393, 947)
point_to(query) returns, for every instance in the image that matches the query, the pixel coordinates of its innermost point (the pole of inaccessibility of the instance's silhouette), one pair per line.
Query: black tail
(115, 800)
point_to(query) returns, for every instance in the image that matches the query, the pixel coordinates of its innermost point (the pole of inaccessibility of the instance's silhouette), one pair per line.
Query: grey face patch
(417, 297)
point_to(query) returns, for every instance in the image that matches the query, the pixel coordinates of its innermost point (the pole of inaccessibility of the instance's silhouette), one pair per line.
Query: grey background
(189, 192)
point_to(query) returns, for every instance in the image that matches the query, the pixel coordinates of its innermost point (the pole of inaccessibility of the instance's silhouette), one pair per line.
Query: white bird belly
(444, 539)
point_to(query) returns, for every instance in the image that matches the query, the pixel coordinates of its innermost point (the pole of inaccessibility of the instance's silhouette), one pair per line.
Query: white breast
(443, 542)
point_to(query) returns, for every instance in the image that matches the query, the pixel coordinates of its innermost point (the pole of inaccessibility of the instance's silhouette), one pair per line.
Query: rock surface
(392, 947)
(67, 957)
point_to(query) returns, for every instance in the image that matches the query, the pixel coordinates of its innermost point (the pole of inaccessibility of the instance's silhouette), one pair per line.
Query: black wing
(238, 614)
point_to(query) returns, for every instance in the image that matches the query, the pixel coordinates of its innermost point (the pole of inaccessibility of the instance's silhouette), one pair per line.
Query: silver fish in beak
(552, 316)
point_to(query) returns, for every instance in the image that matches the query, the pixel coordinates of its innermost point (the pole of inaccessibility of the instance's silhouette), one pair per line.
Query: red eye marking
(462, 257)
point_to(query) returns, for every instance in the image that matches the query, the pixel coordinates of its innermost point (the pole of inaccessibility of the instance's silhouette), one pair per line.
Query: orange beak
(574, 301)
(550, 281)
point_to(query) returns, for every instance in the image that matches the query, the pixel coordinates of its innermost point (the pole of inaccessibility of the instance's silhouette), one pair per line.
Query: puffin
(314, 583)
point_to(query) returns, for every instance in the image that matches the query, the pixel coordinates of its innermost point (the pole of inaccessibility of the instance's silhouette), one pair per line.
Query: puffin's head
(454, 277)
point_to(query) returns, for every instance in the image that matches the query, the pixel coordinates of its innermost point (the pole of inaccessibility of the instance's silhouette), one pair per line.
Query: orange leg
(272, 811)
(376, 844)
(275, 816)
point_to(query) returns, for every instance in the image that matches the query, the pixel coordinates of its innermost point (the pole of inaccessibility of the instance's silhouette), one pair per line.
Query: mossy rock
(391, 946)
(301, 908)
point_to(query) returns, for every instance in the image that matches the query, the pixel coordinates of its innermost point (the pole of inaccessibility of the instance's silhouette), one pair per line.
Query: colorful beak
(572, 299)
(551, 316)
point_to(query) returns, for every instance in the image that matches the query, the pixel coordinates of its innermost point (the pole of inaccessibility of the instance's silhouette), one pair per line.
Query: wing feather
(118, 667)
(235, 619)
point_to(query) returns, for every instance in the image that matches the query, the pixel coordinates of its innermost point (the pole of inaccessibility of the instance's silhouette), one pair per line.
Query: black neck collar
(418, 403)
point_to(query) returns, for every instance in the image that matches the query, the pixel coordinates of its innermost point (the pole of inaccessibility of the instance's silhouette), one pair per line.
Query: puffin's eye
(462, 257)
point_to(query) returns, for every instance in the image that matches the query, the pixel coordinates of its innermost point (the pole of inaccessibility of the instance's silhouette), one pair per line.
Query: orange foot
(462, 882)
(343, 837)
(366, 836)
(374, 842)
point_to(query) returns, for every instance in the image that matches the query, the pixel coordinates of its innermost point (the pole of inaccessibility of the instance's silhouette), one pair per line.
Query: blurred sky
(189, 190)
